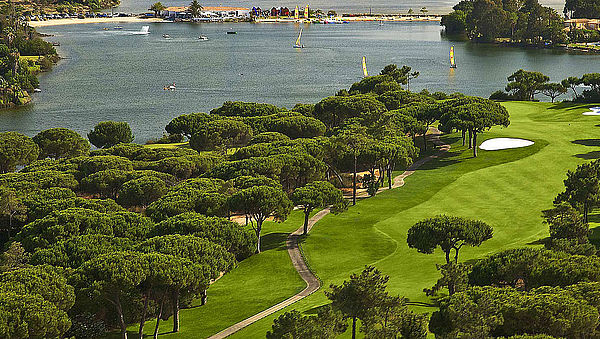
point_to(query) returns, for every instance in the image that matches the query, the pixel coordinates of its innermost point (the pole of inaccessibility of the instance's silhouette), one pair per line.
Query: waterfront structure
(591, 24)
(182, 12)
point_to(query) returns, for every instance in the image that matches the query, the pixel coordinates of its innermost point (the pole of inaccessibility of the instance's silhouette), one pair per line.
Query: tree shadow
(273, 241)
(594, 236)
(444, 160)
(594, 218)
(316, 309)
(541, 241)
(568, 106)
(587, 142)
(588, 156)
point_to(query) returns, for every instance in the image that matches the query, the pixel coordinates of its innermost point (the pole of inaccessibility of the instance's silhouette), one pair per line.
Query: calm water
(112, 75)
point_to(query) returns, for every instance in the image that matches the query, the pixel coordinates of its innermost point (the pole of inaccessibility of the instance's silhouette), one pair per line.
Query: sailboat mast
(299, 37)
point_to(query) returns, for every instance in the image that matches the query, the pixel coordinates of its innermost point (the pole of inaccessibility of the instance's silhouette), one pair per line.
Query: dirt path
(312, 282)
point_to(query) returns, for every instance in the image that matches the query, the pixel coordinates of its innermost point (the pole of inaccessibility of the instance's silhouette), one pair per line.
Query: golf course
(507, 189)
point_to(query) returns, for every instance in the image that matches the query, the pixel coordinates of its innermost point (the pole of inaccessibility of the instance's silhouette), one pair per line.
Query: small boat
(144, 31)
(203, 38)
(298, 44)
(452, 61)
(170, 87)
(231, 32)
(380, 22)
(166, 36)
(364, 66)
(105, 29)
(117, 27)
(37, 90)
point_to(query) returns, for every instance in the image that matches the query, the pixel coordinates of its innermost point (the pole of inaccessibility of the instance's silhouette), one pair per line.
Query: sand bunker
(593, 111)
(504, 143)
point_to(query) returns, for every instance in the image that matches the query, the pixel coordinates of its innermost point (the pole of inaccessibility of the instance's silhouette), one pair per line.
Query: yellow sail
(297, 13)
(364, 64)
(306, 12)
(299, 37)
(452, 62)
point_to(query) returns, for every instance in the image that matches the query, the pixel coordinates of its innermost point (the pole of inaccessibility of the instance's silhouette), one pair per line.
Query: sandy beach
(59, 22)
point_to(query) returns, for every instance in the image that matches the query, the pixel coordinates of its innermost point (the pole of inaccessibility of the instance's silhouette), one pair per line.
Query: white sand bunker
(593, 111)
(504, 143)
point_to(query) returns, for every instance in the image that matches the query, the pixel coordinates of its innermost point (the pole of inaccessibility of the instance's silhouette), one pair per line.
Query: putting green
(505, 188)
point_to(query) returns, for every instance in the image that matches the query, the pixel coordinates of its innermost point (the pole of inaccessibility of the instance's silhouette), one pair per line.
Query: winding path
(312, 282)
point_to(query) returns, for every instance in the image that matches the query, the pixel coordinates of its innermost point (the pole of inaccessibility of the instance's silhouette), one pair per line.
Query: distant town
(224, 13)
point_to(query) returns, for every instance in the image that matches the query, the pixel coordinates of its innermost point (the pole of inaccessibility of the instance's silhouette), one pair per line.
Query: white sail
(299, 37)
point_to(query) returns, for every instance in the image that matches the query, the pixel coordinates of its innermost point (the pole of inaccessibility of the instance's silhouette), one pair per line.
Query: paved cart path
(312, 282)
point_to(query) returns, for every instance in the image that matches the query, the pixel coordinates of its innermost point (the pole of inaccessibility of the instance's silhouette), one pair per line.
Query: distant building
(175, 12)
(181, 12)
(591, 24)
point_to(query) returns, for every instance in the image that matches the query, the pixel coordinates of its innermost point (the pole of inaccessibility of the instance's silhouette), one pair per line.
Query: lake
(113, 75)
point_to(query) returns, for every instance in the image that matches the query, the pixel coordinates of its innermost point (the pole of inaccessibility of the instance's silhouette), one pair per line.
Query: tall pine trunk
(474, 144)
(470, 139)
(122, 324)
(354, 182)
(143, 318)
(258, 230)
(389, 170)
(464, 135)
(176, 310)
(160, 311)
(353, 327)
(203, 298)
(306, 215)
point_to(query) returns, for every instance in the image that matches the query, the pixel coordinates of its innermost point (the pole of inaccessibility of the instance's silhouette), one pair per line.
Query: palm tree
(195, 9)
(157, 8)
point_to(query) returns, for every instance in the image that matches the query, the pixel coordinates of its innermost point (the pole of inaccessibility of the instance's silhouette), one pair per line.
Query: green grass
(507, 189)
(241, 293)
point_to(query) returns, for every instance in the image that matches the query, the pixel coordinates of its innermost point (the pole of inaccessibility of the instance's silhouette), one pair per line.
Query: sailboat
(297, 13)
(298, 44)
(452, 62)
(306, 12)
(364, 66)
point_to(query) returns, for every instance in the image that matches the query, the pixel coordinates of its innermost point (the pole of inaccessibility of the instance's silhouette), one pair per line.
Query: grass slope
(256, 284)
(506, 188)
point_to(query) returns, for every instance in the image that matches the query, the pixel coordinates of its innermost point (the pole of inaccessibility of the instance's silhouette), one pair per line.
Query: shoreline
(72, 21)
(348, 19)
